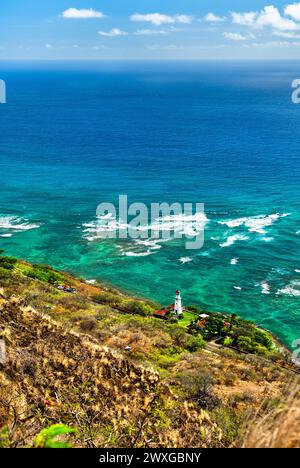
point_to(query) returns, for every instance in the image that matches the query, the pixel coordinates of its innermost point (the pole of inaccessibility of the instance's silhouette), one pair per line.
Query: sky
(149, 29)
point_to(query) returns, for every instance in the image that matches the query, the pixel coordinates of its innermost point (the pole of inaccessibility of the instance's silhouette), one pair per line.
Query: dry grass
(67, 364)
(53, 375)
(279, 428)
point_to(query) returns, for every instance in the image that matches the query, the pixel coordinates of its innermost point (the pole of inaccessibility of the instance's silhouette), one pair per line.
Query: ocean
(226, 134)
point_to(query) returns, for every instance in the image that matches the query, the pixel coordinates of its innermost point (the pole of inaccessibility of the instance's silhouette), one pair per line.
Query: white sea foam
(255, 223)
(238, 288)
(163, 229)
(151, 244)
(297, 271)
(14, 224)
(184, 260)
(265, 288)
(292, 289)
(138, 254)
(233, 239)
(234, 261)
(267, 239)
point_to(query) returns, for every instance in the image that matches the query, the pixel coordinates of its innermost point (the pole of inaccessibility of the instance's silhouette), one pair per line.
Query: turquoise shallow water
(223, 134)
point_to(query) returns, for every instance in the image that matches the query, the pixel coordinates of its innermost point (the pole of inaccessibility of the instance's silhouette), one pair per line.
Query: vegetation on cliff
(97, 362)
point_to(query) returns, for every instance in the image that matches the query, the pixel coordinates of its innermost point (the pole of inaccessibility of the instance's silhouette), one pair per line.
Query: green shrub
(44, 274)
(228, 341)
(194, 343)
(229, 422)
(107, 298)
(8, 263)
(4, 273)
(47, 437)
(4, 437)
(244, 343)
(137, 307)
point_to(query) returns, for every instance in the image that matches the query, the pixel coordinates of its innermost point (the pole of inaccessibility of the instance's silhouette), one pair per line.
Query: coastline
(56, 314)
(113, 289)
(127, 293)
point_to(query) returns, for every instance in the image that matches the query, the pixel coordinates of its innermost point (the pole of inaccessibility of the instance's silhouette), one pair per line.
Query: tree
(194, 343)
(200, 387)
(245, 343)
(138, 307)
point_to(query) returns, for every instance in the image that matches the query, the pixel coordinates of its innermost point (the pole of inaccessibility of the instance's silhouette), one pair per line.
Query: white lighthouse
(177, 305)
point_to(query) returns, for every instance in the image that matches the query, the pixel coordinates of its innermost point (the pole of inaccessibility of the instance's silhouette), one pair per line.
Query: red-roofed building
(163, 313)
(172, 311)
(201, 324)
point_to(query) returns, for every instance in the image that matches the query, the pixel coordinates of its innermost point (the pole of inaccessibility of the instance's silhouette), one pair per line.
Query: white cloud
(286, 35)
(244, 19)
(293, 11)
(269, 16)
(113, 33)
(74, 13)
(158, 19)
(49, 46)
(211, 17)
(183, 19)
(150, 32)
(275, 44)
(235, 36)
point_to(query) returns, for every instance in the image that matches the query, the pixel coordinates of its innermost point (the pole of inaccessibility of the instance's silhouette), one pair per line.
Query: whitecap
(138, 254)
(184, 260)
(292, 289)
(238, 288)
(14, 224)
(233, 239)
(255, 223)
(152, 244)
(265, 288)
(234, 261)
(163, 229)
(267, 239)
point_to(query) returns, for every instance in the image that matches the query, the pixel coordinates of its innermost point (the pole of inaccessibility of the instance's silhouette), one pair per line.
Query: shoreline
(131, 294)
(112, 288)
(127, 293)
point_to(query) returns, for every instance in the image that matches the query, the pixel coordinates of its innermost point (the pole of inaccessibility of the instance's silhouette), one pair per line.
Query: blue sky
(149, 29)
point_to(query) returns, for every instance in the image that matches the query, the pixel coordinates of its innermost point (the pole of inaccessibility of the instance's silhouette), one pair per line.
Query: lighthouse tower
(178, 306)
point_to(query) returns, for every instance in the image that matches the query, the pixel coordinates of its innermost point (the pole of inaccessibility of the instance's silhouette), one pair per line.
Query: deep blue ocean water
(225, 134)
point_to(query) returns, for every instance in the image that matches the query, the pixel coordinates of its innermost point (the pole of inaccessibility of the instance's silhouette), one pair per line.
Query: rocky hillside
(96, 360)
(53, 375)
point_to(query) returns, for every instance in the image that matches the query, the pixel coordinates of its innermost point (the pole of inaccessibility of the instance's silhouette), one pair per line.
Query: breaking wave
(148, 236)
(233, 239)
(292, 289)
(10, 225)
(255, 223)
